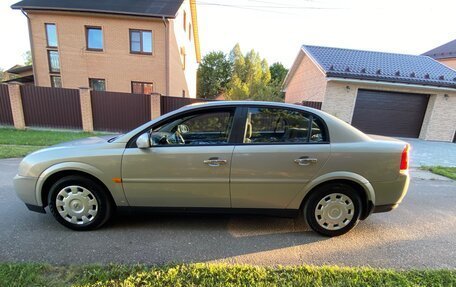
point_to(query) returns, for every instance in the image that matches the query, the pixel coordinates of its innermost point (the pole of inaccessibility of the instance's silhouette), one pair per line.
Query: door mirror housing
(143, 141)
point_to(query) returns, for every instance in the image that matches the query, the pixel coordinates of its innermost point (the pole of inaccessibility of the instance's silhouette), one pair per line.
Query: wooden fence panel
(315, 105)
(169, 104)
(119, 112)
(51, 107)
(6, 115)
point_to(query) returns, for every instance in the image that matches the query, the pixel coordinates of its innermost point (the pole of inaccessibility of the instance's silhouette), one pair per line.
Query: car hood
(86, 141)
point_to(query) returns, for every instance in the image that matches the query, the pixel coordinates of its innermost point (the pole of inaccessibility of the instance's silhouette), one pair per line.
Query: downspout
(166, 55)
(32, 50)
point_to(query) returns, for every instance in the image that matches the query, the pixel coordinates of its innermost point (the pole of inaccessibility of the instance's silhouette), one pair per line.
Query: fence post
(14, 91)
(155, 106)
(86, 109)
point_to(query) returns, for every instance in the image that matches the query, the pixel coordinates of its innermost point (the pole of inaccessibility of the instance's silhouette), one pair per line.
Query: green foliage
(240, 77)
(2, 75)
(27, 58)
(217, 275)
(449, 172)
(214, 74)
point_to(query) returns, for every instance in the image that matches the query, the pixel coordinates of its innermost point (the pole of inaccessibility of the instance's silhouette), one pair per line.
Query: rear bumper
(384, 208)
(390, 193)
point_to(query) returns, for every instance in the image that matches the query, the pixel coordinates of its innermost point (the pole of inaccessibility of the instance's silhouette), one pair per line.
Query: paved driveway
(420, 233)
(431, 153)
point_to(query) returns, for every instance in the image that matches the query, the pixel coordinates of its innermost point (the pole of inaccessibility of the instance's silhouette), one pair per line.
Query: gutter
(390, 84)
(32, 50)
(166, 55)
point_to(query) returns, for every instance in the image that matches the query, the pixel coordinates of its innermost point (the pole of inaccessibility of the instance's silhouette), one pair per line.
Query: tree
(2, 75)
(214, 74)
(278, 74)
(27, 58)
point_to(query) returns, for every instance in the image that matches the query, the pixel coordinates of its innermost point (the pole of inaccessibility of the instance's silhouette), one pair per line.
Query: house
(20, 74)
(445, 54)
(379, 93)
(133, 46)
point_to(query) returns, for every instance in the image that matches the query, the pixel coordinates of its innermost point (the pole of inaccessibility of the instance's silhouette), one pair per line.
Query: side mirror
(143, 141)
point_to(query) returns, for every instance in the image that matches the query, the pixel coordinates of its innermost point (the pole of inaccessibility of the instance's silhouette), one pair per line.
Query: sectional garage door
(390, 113)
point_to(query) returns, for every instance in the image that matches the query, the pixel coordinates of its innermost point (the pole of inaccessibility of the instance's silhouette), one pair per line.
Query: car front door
(282, 150)
(187, 165)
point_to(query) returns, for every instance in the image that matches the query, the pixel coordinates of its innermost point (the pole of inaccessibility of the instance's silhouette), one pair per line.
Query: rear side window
(275, 125)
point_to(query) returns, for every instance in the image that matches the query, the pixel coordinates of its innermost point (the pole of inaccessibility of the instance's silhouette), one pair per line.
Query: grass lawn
(449, 172)
(18, 143)
(217, 275)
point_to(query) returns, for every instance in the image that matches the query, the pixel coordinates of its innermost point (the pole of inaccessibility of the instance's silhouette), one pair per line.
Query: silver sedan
(230, 157)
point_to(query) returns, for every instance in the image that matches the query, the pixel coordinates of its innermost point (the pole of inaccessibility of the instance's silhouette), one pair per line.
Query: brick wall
(307, 84)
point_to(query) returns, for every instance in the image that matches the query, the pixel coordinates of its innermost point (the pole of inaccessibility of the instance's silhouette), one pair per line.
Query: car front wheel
(333, 209)
(79, 203)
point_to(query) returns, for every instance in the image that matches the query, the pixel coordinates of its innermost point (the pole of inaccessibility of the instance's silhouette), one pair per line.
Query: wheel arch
(56, 172)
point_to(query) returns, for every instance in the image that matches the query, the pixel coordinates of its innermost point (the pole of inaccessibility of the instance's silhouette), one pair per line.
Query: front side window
(51, 35)
(201, 128)
(141, 41)
(142, 88)
(94, 36)
(97, 84)
(54, 61)
(275, 125)
(56, 81)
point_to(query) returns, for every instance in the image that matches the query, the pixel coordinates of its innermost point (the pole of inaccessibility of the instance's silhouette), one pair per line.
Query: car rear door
(282, 150)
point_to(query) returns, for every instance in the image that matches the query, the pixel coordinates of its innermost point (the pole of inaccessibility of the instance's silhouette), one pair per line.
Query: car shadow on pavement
(203, 237)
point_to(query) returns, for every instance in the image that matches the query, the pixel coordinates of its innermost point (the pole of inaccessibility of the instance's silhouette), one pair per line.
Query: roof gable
(379, 66)
(447, 50)
(149, 8)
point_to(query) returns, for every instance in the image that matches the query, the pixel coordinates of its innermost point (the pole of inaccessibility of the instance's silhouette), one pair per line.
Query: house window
(94, 38)
(185, 21)
(56, 81)
(142, 88)
(140, 41)
(190, 32)
(184, 57)
(51, 35)
(183, 93)
(97, 84)
(54, 61)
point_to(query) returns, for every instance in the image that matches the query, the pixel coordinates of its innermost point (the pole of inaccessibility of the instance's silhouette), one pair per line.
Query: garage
(390, 113)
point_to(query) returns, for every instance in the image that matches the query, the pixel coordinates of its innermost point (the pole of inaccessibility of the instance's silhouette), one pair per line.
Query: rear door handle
(215, 161)
(305, 160)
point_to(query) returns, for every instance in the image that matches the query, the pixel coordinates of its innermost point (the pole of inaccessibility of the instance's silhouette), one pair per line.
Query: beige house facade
(357, 87)
(124, 50)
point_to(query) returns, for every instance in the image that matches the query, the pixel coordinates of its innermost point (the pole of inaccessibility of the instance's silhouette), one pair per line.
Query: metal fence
(6, 116)
(315, 105)
(169, 104)
(51, 107)
(119, 112)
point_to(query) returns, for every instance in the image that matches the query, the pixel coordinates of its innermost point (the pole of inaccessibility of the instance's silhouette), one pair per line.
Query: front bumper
(25, 189)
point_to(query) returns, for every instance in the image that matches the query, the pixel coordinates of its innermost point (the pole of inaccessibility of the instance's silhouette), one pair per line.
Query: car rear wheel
(79, 203)
(333, 209)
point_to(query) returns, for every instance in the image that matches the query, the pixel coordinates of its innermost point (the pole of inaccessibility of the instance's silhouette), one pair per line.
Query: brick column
(86, 109)
(155, 106)
(14, 91)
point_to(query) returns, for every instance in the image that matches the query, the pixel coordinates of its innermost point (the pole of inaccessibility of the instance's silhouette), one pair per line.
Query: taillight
(405, 158)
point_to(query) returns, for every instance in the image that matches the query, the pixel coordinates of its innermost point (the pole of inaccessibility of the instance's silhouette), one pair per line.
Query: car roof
(246, 103)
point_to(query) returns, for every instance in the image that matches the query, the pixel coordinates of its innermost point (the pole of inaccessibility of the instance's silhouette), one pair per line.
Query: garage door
(390, 114)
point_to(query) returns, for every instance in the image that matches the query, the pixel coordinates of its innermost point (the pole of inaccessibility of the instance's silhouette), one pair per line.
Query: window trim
(90, 84)
(139, 82)
(87, 27)
(311, 117)
(47, 35)
(49, 61)
(237, 134)
(141, 46)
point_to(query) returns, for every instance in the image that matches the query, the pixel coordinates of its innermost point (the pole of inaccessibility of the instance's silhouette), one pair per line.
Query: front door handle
(215, 161)
(305, 160)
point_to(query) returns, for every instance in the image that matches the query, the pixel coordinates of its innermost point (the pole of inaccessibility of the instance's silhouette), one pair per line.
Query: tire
(333, 209)
(79, 203)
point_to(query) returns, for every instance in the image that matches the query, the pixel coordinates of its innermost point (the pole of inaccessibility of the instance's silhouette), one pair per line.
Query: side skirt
(208, 210)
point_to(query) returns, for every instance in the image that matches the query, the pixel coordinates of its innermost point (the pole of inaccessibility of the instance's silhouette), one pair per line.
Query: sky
(277, 28)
